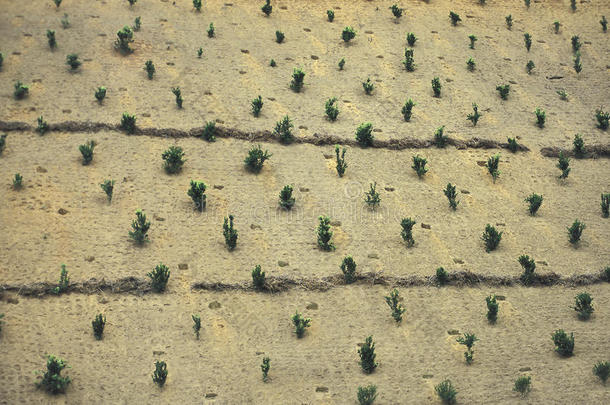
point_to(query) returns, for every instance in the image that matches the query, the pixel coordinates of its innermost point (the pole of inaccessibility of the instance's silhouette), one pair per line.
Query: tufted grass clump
(300, 324)
(258, 277)
(492, 308)
(523, 385)
(535, 201)
(419, 165)
(256, 158)
(540, 117)
(491, 237)
(603, 118)
(257, 106)
(474, 117)
(173, 159)
(364, 134)
(229, 232)
(283, 130)
(492, 166)
(21, 90)
(330, 109)
(436, 87)
(128, 123)
(503, 89)
(583, 306)
(367, 355)
(407, 231)
(455, 18)
(564, 344)
(575, 231)
(209, 131)
(52, 381)
(159, 376)
(108, 187)
(296, 84)
(98, 325)
(348, 268)
(602, 370)
(197, 194)
(367, 394)
(393, 301)
(407, 109)
(340, 157)
(86, 151)
(140, 228)
(451, 195)
(325, 234)
(446, 392)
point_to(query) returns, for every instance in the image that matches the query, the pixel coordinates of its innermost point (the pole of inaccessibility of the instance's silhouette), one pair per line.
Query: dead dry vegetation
(304, 202)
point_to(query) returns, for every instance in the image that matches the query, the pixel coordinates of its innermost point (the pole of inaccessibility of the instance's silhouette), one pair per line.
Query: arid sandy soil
(91, 236)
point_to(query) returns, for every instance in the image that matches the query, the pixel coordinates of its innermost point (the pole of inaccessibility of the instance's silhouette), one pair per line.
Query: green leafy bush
(602, 370)
(272, 63)
(72, 61)
(174, 159)
(605, 204)
(197, 5)
(348, 268)
(440, 140)
(604, 23)
(468, 340)
(564, 344)
(331, 15)
(57, 3)
(98, 325)
(575, 43)
(474, 117)
(451, 194)
(471, 64)
(52, 380)
(43, 126)
(196, 325)
(265, 367)
(65, 21)
(160, 374)
(513, 146)
(100, 94)
(393, 301)
(367, 355)
(348, 34)
(396, 11)
(535, 201)
(523, 385)
(436, 87)
(341, 63)
(442, 277)
(577, 63)
(286, 200)
(529, 269)
(564, 165)
(257, 106)
(530, 66)
(602, 117)
(197, 194)
(200, 52)
(108, 187)
(325, 234)
(409, 61)
(283, 130)
(21, 90)
(473, 39)
(528, 41)
(209, 131)
(446, 392)
(419, 165)
(128, 123)
(64, 281)
(258, 277)
(368, 86)
(297, 79)
(17, 181)
(159, 277)
(583, 306)
(575, 231)
(300, 324)
(211, 31)
(455, 18)
(51, 39)
(86, 150)
(2, 142)
(503, 90)
(492, 166)
(509, 21)
(279, 37)
(540, 117)
(371, 197)
(579, 146)
(411, 39)
(407, 109)
(492, 308)
(556, 25)
(267, 8)
(407, 231)
(491, 237)
(137, 23)
(330, 109)
(140, 228)
(573, 5)
(178, 93)
(229, 232)
(364, 134)
(124, 38)
(256, 158)
(149, 66)
(341, 164)
(367, 395)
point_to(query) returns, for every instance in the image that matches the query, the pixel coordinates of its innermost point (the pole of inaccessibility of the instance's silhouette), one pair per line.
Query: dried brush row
(590, 152)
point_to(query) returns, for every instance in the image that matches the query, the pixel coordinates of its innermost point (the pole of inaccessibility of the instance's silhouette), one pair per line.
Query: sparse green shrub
(409, 61)
(257, 106)
(64, 281)
(325, 234)
(509, 21)
(57, 3)
(286, 200)
(602, 370)
(371, 197)
(283, 130)
(364, 134)
(419, 165)
(137, 23)
(100, 94)
(563, 165)
(279, 37)
(72, 61)
(573, 5)
(442, 277)
(579, 146)
(331, 109)
(446, 392)
(535, 201)
(407, 109)
(368, 86)
(52, 381)
(503, 90)
(492, 308)
(411, 38)
(296, 84)
(529, 268)
(197, 5)
(196, 325)
(124, 38)
(577, 62)
(436, 87)
(564, 344)
(530, 66)
(605, 204)
(471, 64)
(149, 66)
(341, 63)
(396, 11)
(132, 2)
(455, 18)
(21, 90)
(528, 41)
(209, 131)
(197, 194)
(348, 267)
(583, 306)
(51, 39)
(17, 181)
(300, 324)
(267, 8)
(540, 117)
(86, 150)
(199, 52)
(474, 117)
(128, 123)
(450, 193)
(1, 60)
(491, 237)
(512, 144)
(211, 31)
(108, 187)
(575, 43)
(603, 118)
(174, 159)
(229, 232)
(1, 321)
(42, 126)
(575, 231)
(407, 231)
(178, 94)
(140, 228)
(468, 340)
(341, 164)
(522, 385)
(473, 39)
(160, 374)
(367, 355)
(440, 140)
(258, 277)
(604, 23)
(348, 34)
(367, 395)
(393, 301)
(65, 21)
(98, 326)
(159, 277)
(256, 158)
(492, 166)
(265, 367)
(2, 142)
(556, 25)
(331, 15)
(272, 63)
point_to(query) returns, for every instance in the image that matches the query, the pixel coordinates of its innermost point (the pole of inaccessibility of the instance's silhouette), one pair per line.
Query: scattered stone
(389, 189)
(89, 259)
(458, 261)
(335, 223)
(282, 263)
(321, 389)
(500, 297)
(306, 29)
(158, 353)
(500, 224)
(482, 163)
(218, 186)
(254, 226)
(379, 56)
(373, 256)
(522, 369)
(146, 115)
(242, 72)
(158, 218)
(12, 300)
(219, 121)
(303, 189)
(542, 262)
(41, 169)
(425, 226)
(314, 57)
(377, 130)
(368, 32)
(464, 191)
(245, 51)
(211, 395)
(453, 332)
(328, 156)
(183, 266)
(170, 63)
(67, 111)
(312, 306)
(512, 82)
(214, 305)
(302, 127)
(62, 211)
(427, 376)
